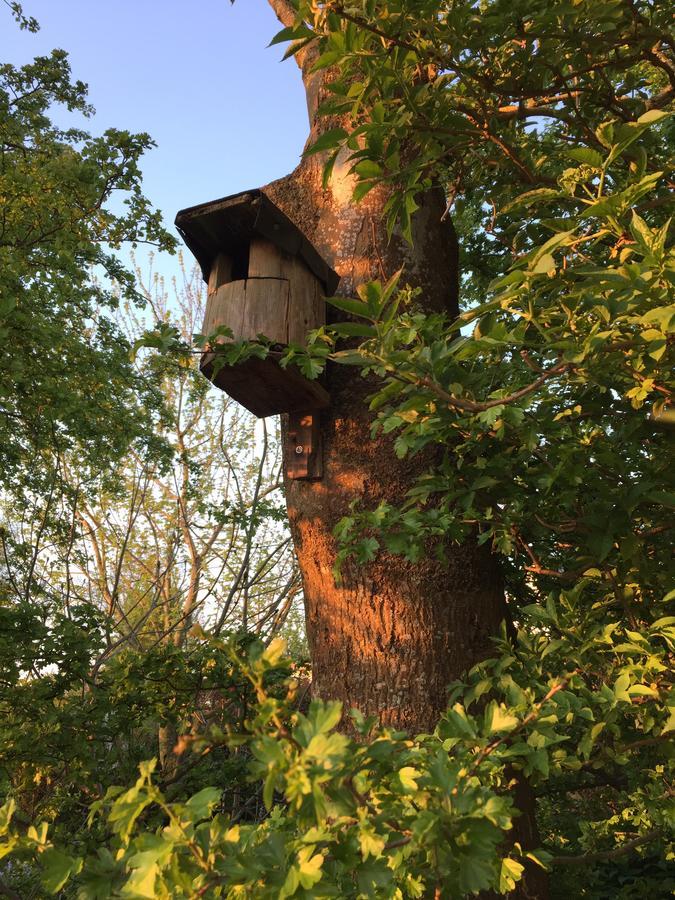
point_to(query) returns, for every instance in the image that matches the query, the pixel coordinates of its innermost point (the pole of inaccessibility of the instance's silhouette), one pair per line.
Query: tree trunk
(393, 634)
(167, 737)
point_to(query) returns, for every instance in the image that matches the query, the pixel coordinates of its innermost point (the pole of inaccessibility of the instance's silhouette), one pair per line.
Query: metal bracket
(304, 446)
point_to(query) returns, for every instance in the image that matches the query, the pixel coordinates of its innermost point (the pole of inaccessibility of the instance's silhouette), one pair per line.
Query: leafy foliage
(388, 816)
(549, 403)
(367, 819)
(549, 125)
(66, 380)
(73, 728)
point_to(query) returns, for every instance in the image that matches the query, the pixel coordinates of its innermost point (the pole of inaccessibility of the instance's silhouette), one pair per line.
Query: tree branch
(284, 12)
(473, 407)
(603, 855)
(530, 717)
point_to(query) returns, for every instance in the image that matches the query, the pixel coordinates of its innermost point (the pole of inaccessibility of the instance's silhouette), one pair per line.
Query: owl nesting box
(264, 277)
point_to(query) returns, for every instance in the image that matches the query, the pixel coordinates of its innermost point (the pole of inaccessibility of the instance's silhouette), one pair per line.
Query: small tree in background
(136, 502)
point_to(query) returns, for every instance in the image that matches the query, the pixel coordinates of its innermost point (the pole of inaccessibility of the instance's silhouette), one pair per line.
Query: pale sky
(226, 113)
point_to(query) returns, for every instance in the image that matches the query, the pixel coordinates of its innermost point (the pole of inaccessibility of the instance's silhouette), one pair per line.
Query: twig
(474, 407)
(530, 717)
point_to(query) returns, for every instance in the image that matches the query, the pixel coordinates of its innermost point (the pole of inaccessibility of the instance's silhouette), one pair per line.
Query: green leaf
(545, 263)
(642, 690)
(200, 805)
(126, 809)
(587, 156)
(324, 716)
(627, 133)
(7, 810)
(141, 883)
(529, 198)
(309, 867)
(475, 873)
(407, 777)
(653, 115)
(57, 868)
(497, 718)
(361, 189)
(327, 747)
(291, 883)
(292, 33)
(368, 168)
(269, 788)
(371, 293)
(275, 652)
(371, 844)
(354, 307)
(327, 141)
(350, 358)
(621, 687)
(329, 58)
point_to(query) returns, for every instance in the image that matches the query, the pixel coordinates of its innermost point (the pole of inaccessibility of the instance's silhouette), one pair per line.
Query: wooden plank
(265, 260)
(226, 307)
(251, 307)
(304, 456)
(266, 310)
(221, 272)
(307, 308)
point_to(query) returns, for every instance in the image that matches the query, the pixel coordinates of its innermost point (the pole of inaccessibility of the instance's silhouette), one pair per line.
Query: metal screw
(299, 449)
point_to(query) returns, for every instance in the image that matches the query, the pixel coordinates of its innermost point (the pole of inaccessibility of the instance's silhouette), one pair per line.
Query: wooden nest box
(264, 277)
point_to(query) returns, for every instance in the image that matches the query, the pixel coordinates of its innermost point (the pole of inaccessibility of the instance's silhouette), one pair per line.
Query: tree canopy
(69, 201)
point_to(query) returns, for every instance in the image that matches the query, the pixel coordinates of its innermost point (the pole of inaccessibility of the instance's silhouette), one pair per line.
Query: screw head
(299, 449)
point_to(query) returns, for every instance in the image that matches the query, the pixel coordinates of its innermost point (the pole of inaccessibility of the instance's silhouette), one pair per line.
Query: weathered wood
(264, 388)
(221, 272)
(281, 299)
(284, 309)
(266, 260)
(251, 307)
(266, 309)
(308, 308)
(304, 458)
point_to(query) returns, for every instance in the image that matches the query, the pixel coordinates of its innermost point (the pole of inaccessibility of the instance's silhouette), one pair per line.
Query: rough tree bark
(393, 634)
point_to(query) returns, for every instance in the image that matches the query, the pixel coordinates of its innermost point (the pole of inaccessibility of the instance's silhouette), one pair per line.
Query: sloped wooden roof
(227, 225)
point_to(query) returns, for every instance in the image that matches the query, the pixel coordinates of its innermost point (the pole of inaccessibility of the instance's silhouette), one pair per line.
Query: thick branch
(603, 855)
(283, 11)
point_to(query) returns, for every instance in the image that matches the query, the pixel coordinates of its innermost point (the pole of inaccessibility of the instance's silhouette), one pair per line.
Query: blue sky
(225, 112)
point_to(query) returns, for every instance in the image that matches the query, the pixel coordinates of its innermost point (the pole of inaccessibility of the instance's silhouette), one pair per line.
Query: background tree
(165, 547)
(135, 503)
(66, 382)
